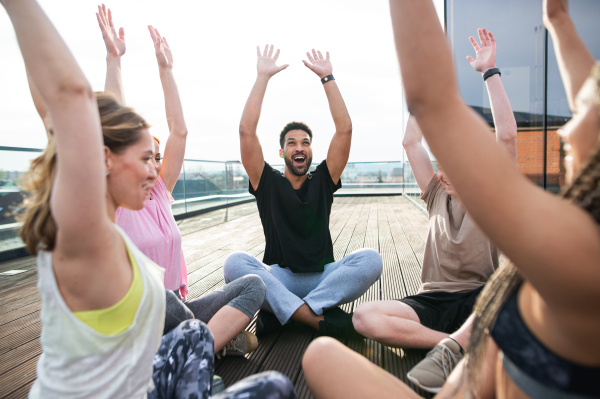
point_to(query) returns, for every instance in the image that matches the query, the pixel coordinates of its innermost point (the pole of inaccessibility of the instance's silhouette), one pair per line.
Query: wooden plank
(390, 225)
(15, 378)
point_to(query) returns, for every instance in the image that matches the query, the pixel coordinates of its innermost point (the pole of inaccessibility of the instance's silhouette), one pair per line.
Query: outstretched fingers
(310, 58)
(270, 51)
(314, 53)
(482, 37)
(474, 43)
(276, 55)
(470, 59)
(266, 50)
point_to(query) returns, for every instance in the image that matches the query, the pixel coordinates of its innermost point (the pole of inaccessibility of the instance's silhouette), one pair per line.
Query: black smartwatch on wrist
(490, 72)
(327, 79)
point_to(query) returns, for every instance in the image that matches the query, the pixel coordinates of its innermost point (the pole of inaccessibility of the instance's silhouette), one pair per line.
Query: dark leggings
(246, 294)
(184, 366)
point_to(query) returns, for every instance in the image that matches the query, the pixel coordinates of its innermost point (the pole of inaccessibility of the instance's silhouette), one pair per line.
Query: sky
(214, 48)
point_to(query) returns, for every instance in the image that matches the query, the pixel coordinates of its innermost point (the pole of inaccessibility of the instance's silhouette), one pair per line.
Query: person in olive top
(304, 282)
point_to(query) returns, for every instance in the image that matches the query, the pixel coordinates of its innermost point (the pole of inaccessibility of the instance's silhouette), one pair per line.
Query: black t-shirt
(296, 222)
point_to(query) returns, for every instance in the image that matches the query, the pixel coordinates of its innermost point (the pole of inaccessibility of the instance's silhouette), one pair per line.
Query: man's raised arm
(251, 151)
(339, 148)
(504, 118)
(418, 158)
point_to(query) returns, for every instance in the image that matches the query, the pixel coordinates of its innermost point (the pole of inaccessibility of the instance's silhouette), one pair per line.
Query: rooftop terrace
(392, 225)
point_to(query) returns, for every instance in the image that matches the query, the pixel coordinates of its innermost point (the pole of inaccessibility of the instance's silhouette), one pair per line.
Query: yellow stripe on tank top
(119, 317)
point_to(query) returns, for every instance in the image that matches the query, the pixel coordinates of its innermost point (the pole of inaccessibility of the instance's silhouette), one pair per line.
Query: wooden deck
(391, 225)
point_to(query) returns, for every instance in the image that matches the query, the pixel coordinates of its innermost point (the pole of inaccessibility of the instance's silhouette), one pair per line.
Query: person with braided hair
(536, 323)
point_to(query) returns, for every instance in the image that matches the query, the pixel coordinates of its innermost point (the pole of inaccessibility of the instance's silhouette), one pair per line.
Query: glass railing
(202, 185)
(14, 162)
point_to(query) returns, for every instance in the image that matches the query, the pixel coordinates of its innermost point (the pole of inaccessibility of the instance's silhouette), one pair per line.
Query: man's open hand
(164, 56)
(319, 65)
(266, 63)
(115, 44)
(486, 54)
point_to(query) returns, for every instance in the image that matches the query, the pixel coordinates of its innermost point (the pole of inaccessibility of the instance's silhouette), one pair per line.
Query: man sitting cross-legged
(458, 259)
(303, 281)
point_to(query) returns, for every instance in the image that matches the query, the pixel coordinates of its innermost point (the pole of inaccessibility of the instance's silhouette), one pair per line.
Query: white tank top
(79, 362)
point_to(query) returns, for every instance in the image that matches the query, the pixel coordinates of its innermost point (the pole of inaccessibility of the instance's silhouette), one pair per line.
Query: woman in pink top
(227, 310)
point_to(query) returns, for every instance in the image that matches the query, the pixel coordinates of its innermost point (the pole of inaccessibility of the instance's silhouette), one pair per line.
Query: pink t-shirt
(154, 231)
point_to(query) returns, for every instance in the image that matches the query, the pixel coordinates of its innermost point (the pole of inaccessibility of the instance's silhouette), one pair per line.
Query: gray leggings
(246, 294)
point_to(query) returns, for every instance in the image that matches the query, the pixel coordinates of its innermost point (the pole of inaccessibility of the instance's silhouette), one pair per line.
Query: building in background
(530, 73)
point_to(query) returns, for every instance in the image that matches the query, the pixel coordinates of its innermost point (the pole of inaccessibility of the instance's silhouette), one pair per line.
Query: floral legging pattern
(184, 368)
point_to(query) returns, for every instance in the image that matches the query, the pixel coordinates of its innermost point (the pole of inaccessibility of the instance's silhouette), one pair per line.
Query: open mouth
(299, 160)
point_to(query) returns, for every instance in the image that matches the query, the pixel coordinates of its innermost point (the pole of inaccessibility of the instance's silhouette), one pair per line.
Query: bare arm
(504, 118)
(507, 207)
(574, 59)
(417, 154)
(40, 105)
(252, 155)
(78, 199)
(115, 48)
(339, 148)
(175, 147)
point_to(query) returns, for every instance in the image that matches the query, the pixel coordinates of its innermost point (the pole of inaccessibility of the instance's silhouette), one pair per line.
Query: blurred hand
(266, 63)
(554, 9)
(486, 54)
(164, 56)
(115, 44)
(319, 65)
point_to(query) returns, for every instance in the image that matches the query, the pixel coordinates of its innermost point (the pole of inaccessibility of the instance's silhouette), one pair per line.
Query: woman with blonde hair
(537, 321)
(103, 301)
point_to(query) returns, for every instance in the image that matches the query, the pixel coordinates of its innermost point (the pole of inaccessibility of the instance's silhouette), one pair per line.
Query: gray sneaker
(431, 373)
(244, 342)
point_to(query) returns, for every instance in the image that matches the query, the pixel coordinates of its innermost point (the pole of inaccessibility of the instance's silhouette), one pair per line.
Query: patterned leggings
(184, 368)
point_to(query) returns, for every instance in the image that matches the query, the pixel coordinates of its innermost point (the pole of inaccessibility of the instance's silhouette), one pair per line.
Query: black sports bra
(535, 369)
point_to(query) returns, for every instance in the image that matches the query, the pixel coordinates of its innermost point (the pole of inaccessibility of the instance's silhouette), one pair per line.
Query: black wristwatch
(490, 72)
(327, 79)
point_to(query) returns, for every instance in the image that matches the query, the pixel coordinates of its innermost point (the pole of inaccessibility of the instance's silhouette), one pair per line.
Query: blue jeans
(341, 282)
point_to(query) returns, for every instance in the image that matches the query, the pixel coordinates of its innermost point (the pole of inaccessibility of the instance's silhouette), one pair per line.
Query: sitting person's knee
(193, 327)
(318, 351)
(254, 289)
(232, 267)
(257, 286)
(363, 319)
(371, 260)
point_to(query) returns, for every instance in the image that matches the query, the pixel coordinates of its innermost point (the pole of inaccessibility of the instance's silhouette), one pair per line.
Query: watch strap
(327, 79)
(490, 72)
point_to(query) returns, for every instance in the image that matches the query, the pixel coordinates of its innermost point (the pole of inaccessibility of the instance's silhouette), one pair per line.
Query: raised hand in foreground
(267, 63)
(115, 44)
(485, 56)
(319, 65)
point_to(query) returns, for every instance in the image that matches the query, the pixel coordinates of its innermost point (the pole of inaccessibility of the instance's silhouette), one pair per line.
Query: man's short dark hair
(293, 126)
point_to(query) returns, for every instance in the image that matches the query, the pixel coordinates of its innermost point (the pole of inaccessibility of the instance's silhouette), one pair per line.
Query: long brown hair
(121, 128)
(583, 192)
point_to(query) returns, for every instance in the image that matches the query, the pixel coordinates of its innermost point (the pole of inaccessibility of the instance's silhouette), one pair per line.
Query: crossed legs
(304, 296)
(396, 324)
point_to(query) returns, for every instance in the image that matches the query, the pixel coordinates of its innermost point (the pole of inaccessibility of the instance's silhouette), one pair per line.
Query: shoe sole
(417, 383)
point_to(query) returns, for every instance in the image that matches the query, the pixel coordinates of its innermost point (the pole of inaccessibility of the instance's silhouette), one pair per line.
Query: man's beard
(298, 172)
